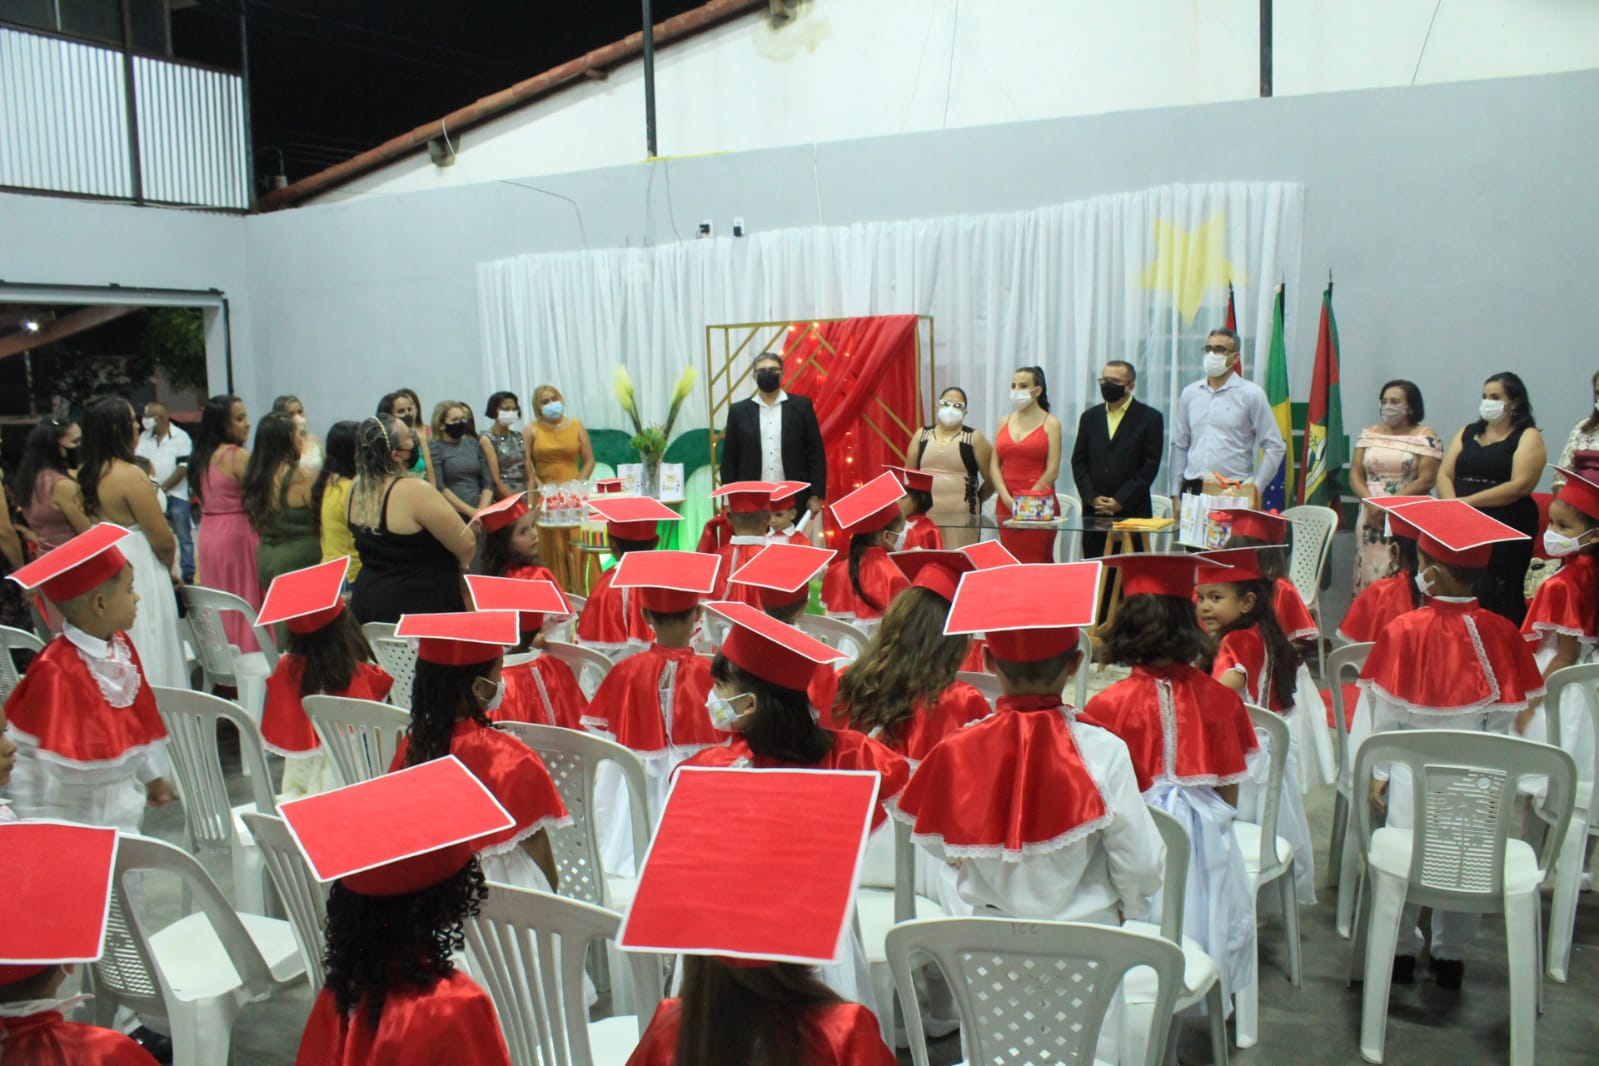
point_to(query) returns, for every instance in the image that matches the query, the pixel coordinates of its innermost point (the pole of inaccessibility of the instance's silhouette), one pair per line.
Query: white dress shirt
(164, 455)
(1219, 430)
(772, 436)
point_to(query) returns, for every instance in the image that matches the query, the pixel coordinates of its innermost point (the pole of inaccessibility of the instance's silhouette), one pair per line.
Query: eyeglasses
(958, 405)
(1113, 381)
(1216, 349)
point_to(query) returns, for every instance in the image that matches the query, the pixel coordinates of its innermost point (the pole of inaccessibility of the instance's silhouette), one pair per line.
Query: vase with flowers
(650, 440)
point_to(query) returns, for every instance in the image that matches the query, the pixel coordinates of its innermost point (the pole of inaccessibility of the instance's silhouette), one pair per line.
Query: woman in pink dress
(227, 542)
(1026, 460)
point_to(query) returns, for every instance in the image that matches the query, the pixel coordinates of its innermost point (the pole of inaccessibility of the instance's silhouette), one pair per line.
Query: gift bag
(1198, 527)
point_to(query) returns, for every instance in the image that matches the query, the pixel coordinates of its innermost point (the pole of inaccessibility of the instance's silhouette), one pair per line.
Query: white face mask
(1422, 584)
(507, 418)
(1215, 364)
(1491, 410)
(897, 541)
(1559, 545)
(311, 455)
(1020, 398)
(494, 701)
(299, 420)
(148, 423)
(952, 416)
(1394, 414)
(721, 711)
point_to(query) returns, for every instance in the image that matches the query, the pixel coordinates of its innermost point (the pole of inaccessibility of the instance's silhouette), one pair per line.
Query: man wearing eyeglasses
(1118, 451)
(1220, 425)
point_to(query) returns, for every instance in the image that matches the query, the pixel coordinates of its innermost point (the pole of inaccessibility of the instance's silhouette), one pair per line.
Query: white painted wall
(849, 69)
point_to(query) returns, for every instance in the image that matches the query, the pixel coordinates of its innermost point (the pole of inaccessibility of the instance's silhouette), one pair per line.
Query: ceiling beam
(63, 327)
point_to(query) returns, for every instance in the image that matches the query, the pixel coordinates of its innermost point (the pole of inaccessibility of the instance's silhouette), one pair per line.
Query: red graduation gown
(1378, 604)
(628, 706)
(513, 772)
(837, 595)
(59, 707)
(543, 691)
(733, 557)
(1179, 724)
(836, 1034)
(920, 532)
(1246, 649)
(284, 725)
(531, 572)
(1292, 614)
(47, 1039)
(612, 616)
(957, 705)
(1429, 661)
(1567, 603)
(717, 532)
(880, 579)
(453, 1022)
(850, 751)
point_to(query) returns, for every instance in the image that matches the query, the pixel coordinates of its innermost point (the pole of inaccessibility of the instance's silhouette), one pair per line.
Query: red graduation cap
(1391, 506)
(399, 833)
(937, 571)
(918, 480)
(633, 517)
(609, 486)
(871, 507)
(743, 497)
(727, 876)
(497, 516)
(1579, 492)
(668, 582)
(460, 638)
(58, 891)
(306, 599)
(782, 572)
(783, 493)
(1157, 573)
(532, 599)
(990, 553)
(1456, 533)
(1029, 612)
(771, 650)
(85, 562)
(1259, 525)
(1232, 564)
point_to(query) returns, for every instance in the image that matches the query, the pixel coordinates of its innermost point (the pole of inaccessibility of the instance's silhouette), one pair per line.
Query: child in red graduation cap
(1386, 598)
(612, 622)
(780, 578)
(872, 520)
(457, 686)
(539, 688)
(1259, 529)
(1450, 665)
(396, 914)
(90, 742)
(327, 654)
(749, 509)
(921, 533)
(783, 526)
(510, 548)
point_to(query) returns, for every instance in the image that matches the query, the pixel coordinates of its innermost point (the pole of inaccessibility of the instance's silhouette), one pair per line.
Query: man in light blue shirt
(1220, 424)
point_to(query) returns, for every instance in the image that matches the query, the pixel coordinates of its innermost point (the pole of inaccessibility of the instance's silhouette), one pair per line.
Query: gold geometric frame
(730, 351)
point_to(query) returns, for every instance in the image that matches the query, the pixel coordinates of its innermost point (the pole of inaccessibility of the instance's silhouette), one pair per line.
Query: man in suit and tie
(774, 436)
(1118, 452)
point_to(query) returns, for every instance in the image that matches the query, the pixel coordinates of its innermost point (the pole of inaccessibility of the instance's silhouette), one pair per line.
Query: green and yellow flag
(1281, 490)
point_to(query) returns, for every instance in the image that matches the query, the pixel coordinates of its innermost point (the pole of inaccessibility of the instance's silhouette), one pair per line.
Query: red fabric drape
(859, 372)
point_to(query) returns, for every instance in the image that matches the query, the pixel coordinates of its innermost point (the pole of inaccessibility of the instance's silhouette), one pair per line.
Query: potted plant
(650, 441)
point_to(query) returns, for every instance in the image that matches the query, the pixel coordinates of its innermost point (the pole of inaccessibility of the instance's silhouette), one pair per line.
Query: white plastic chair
(1268, 858)
(527, 950)
(849, 638)
(1347, 660)
(198, 972)
(14, 640)
(987, 684)
(304, 897)
(1584, 815)
(589, 666)
(397, 656)
(360, 736)
(1085, 644)
(879, 909)
(1069, 509)
(1160, 507)
(577, 602)
(221, 663)
(377, 630)
(1031, 992)
(1463, 855)
(1307, 561)
(1201, 975)
(209, 818)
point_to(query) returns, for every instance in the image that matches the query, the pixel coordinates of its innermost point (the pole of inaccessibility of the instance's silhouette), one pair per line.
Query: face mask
(1422, 584)
(1559, 545)
(1394, 414)
(554, 410)
(1111, 391)
(897, 542)
(408, 419)
(1215, 365)
(70, 456)
(407, 458)
(299, 420)
(768, 380)
(148, 423)
(721, 712)
(1020, 398)
(952, 416)
(311, 456)
(492, 704)
(1491, 410)
(508, 418)
(455, 430)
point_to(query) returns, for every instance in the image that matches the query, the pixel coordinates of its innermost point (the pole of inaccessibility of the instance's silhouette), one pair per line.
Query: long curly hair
(782, 727)
(330, 655)
(746, 1015)
(216, 429)
(1149, 628)
(276, 451)
(375, 467)
(338, 460)
(1282, 661)
(440, 697)
(376, 944)
(41, 452)
(107, 438)
(909, 663)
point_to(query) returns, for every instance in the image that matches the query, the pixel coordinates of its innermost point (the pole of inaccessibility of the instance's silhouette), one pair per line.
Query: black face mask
(1110, 391)
(409, 420)
(407, 458)
(768, 379)
(455, 430)
(70, 456)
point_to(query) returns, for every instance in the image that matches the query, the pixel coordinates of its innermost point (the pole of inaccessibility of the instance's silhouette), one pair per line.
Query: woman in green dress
(277, 497)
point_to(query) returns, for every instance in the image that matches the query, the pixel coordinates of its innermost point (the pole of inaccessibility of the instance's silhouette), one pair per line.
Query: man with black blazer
(1117, 454)
(774, 436)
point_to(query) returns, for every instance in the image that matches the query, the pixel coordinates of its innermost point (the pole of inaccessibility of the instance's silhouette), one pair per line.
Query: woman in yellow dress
(558, 451)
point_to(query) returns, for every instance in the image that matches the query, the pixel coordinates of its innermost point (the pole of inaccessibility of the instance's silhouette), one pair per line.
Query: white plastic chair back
(1346, 660)
(1313, 533)
(1584, 816)
(1085, 644)
(1174, 886)
(847, 638)
(359, 736)
(191, 719)
(1464, 808)
(203, 610)
(1275, 726)
(1032, 992)
(398, 659)
(527, 950)
(1069, 509)
(1159, 507)
(1585, 679)
(19, 640)
(304, 897)
(590, 667)
(573, 759)
(377, 630)
(987, 684)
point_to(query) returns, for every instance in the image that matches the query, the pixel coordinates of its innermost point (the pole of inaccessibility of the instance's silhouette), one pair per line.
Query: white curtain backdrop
(1139, 276)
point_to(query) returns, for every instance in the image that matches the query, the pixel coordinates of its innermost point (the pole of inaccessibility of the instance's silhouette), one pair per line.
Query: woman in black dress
(413, 546)
(1494, 464)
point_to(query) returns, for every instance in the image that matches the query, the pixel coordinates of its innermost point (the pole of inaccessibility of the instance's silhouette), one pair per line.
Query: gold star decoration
(1190, 263)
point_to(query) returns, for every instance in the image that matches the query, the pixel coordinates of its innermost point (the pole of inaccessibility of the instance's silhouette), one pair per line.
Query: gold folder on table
(1138, 525)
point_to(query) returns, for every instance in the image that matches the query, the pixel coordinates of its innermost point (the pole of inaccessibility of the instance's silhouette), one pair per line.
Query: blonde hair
(441, 409)
(541, 390)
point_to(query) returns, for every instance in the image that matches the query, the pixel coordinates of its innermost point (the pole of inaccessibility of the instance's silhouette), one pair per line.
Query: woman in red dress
(1026, 460)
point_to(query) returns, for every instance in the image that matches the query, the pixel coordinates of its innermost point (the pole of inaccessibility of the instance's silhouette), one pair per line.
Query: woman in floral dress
(1398, 456)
